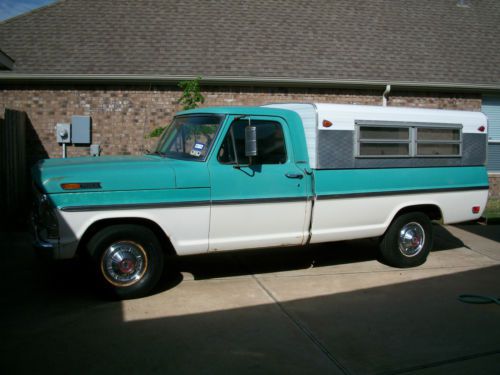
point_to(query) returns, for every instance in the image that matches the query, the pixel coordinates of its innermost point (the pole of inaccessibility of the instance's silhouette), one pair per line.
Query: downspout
(386, 92)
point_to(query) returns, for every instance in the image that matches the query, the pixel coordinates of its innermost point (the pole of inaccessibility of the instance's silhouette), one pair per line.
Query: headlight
(48, 218)
(45, 217)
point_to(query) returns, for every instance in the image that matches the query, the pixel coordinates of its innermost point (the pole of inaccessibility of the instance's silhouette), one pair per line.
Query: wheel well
(98, 225)
(432, 211)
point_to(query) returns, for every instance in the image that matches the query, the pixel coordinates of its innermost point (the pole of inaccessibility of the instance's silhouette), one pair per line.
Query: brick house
(120, 62)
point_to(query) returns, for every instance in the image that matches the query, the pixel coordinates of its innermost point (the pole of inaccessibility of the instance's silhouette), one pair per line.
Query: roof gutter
(10, 77)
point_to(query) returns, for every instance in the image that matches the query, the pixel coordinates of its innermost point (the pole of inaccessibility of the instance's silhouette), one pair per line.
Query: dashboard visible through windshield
(189, 137)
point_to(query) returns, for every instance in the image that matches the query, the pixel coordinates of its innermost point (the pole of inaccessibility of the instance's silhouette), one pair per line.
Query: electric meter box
(63, 133)
(81, 129)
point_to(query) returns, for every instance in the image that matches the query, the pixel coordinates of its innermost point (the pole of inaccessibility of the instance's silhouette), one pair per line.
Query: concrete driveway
(327, 309)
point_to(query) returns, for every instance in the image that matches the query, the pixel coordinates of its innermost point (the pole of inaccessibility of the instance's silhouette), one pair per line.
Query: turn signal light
(81, 185)
(476, 209)
(327, 124)
(71, 186)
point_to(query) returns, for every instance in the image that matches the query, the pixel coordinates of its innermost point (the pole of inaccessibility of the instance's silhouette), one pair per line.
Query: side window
(419, 140)
(270, 143)
(384, 141)
(438, 142)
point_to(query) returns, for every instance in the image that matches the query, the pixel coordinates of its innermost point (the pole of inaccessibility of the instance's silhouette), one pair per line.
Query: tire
(128, 260)
(408, 240)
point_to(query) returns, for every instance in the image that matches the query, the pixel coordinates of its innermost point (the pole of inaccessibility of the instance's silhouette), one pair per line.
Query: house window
(491, 108)
(408, 140)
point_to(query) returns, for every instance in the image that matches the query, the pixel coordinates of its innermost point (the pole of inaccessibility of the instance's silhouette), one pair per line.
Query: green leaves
(190, 99)
(191, 96)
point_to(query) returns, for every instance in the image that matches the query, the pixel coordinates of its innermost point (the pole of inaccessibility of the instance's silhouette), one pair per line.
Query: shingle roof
(383, 40)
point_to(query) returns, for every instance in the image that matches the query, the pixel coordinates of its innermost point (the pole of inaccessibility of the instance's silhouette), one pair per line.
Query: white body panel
(351, 218)
(186, 227)
(247, 226)
(343, 116)
(309, 116)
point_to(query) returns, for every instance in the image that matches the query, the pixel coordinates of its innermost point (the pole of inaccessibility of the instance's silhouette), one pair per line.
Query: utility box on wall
(63, 133)
(81, 129)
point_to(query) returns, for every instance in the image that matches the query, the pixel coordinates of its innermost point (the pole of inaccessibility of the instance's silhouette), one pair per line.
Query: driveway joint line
(307, 332)
(407, 270)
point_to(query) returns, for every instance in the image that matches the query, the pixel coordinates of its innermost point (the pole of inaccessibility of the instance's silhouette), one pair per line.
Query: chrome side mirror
(250, 140)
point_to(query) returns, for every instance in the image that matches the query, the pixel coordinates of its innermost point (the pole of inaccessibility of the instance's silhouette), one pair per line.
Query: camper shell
(334, 135)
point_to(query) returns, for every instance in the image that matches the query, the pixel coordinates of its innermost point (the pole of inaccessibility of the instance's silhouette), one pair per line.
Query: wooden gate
(14, 174)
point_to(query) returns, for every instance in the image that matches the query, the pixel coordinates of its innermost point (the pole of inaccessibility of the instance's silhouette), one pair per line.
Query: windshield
(189, 137)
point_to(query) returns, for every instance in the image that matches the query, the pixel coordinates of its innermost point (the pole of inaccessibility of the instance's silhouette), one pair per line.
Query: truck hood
(119, 173)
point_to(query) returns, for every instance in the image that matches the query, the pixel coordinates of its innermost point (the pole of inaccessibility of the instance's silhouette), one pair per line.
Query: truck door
(259, 201)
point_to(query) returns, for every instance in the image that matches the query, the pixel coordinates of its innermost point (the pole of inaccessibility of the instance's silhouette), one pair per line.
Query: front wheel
(408, 240)
(128, 259)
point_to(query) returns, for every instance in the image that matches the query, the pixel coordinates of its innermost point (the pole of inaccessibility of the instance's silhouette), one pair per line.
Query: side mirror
(250, 141)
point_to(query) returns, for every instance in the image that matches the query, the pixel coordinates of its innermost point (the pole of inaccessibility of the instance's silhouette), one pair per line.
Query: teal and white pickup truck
(234, 178)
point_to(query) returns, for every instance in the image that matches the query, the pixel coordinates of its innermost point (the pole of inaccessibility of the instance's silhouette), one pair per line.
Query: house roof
(425, 42)
(5, 61)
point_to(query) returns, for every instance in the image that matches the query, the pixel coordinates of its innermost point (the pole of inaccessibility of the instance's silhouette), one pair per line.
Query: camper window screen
(409, 141)
(380, 141)
(438, 141)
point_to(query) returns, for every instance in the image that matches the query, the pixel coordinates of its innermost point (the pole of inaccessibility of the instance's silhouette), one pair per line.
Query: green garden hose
(478, 299)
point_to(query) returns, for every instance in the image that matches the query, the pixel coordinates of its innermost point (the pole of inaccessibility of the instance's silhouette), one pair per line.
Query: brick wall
(123, 116)
(494, 180)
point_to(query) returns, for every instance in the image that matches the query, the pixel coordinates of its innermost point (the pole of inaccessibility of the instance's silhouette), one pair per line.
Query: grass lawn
(492, 209)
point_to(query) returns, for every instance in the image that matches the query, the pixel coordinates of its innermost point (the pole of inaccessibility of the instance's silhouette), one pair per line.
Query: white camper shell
(341, 136)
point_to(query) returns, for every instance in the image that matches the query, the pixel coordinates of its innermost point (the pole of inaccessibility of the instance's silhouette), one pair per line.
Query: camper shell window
(395, 140)
(438, 141)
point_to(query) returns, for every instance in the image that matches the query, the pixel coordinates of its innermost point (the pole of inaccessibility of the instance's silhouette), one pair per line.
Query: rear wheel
(128, 259)
(408, 240)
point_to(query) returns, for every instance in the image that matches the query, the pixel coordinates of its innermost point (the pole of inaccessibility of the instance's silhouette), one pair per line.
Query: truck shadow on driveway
(272, 260)
(72, 280)
(490, 231)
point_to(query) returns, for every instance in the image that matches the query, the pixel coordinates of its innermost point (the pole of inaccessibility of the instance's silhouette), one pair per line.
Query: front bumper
(43, 247)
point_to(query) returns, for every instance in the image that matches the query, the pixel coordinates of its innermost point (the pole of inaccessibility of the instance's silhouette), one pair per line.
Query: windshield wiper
(162, 154)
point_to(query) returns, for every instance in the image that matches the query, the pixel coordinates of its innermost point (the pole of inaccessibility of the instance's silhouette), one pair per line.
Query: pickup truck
(230, 178)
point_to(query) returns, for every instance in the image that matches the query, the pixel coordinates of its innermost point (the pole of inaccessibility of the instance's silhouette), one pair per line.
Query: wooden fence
(14, 174)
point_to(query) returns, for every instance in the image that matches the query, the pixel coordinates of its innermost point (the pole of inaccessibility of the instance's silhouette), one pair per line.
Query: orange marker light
(70, 186)
(327, 124)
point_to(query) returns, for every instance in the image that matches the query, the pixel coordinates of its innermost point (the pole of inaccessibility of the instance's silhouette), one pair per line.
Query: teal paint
(260, 181)
(110, 198)
(352, 181)
(121, 173)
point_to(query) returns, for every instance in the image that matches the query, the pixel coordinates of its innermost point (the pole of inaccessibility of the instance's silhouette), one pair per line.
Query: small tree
(191, 96)
(190, 99)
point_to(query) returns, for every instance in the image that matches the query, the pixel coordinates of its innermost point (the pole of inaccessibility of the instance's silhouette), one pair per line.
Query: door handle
(295, 175)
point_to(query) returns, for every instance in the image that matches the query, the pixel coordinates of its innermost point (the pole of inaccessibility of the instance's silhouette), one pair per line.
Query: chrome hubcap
(124, 263)
(411, 239)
